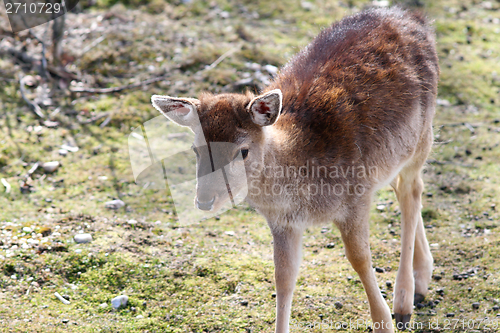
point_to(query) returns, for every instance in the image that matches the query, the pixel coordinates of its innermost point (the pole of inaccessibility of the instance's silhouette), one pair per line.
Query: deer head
(229, 136)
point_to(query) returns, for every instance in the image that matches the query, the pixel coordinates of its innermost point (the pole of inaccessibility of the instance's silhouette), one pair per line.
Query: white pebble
(51, 166)
(83, 238)
(273, 70)
(70, 148)
(114, 204)
(119, 301)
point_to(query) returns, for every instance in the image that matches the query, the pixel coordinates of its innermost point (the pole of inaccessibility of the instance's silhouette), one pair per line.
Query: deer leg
(409, 192)
(422, 258)
(287, 257)
(422, 262)
(355, 236)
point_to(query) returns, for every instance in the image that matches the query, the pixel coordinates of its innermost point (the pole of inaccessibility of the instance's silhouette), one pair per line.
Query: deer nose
(207, 205)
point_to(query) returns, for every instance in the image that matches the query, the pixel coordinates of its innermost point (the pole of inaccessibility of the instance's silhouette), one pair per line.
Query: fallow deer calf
(349, 114)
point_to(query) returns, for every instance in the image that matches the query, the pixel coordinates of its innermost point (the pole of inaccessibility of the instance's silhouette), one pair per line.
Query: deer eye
(244, 153)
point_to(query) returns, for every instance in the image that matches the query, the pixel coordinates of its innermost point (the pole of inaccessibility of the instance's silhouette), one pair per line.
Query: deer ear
(180, 110)
(265, 109)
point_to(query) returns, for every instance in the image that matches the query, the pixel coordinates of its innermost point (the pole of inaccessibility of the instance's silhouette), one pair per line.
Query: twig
(92, 45)
(106, 121)
(33, 106)
(56, 111)
(30, 171)
(221, 58)
(95, 118)
(28, 59)
(118, 89)
(152, 80)
(45, 72)
(470, 128)
(6, 184)
(62, 299)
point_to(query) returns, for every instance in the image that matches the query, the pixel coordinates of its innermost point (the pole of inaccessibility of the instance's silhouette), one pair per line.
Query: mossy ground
(217, 275)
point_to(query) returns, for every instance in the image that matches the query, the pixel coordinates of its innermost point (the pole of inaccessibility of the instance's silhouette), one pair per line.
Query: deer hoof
(418, 298)
(402, 321)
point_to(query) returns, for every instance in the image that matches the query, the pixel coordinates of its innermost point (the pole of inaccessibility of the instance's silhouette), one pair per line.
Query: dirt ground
(217, 275)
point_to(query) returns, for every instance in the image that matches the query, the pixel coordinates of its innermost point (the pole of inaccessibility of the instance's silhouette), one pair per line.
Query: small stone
(495, 308)
(388, 284)
(381, 208)
(338, 305)
(420, 306)
(50, 167)
(103, 305)
(70, 148)
(475, 305)
(27, 229)
(63, 152)
(306, 5)
(119, 301)
(133, 309)
(440, 291)
(29, 80)
(330, 245)
(443, 102)
(244, 302)
(437, 277)
(50, 124)
(65, 321)
(273, 295)
(139, 317)
(83, 238)
(273, 70)
(450, 315)
(114, 204)
(66, 297)
(379, 270)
